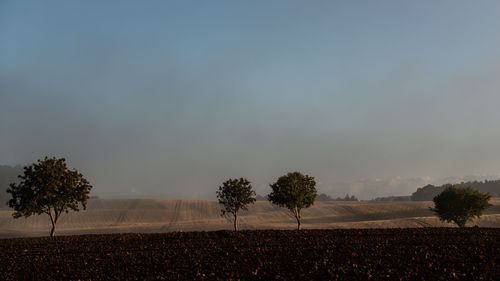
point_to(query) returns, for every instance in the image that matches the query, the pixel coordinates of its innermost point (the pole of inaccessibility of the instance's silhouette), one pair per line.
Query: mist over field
(165, 215)
(249, 140)
(167, 99)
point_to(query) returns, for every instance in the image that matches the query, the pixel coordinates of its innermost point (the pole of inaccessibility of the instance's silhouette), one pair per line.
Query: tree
(48, 187)
(235, 195)
(294, 191)
(460, 204)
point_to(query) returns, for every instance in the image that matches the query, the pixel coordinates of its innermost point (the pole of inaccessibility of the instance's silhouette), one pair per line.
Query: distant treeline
(428, 192)
(321, 197)
(393, 198)
(324, 197)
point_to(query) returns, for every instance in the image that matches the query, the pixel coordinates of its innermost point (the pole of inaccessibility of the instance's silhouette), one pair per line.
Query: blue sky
(170, 98)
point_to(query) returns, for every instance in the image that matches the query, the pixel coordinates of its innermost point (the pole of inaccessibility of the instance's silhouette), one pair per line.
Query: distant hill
(324, 197)
(8, 175)
(392, 198)
(428, 192)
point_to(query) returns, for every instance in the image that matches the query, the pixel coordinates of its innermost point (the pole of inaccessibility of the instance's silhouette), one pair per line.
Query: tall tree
(48, 187)
(235, 195)
(460, 204)
(294, 191)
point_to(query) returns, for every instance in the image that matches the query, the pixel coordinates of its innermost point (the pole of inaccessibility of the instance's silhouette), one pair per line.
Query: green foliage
(48, 187)
(235, 195)
(460, 204)
(294, 191)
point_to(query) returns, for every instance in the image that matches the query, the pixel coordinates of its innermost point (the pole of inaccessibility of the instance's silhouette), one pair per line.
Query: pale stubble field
(166, 215)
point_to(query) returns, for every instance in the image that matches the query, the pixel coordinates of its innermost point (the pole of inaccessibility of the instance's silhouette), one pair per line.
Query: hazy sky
(170, 98)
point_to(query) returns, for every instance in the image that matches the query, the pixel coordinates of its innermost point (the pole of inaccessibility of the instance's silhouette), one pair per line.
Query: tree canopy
(48, 187)
(235, 195)
(294, 191)
(460, 204)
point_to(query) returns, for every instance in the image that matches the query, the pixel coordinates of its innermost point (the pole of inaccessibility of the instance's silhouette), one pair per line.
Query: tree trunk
(54, 220)
(235, 222)
(297, 216)
(53, 231)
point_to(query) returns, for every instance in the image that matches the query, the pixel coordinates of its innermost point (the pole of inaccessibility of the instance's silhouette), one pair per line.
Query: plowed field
(344, 254)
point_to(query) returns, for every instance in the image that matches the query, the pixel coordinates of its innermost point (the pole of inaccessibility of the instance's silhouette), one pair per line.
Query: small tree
(460, 204)
(235, 195)
(48, 187)
(294, 191)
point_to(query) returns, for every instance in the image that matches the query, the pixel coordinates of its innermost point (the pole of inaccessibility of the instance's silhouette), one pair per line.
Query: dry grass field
(164, 215)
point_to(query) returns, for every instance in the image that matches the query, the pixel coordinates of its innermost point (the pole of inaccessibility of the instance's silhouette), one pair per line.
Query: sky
(171, 98)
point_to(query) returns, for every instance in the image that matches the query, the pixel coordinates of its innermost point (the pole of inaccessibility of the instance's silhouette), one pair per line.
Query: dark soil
(372, 254)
